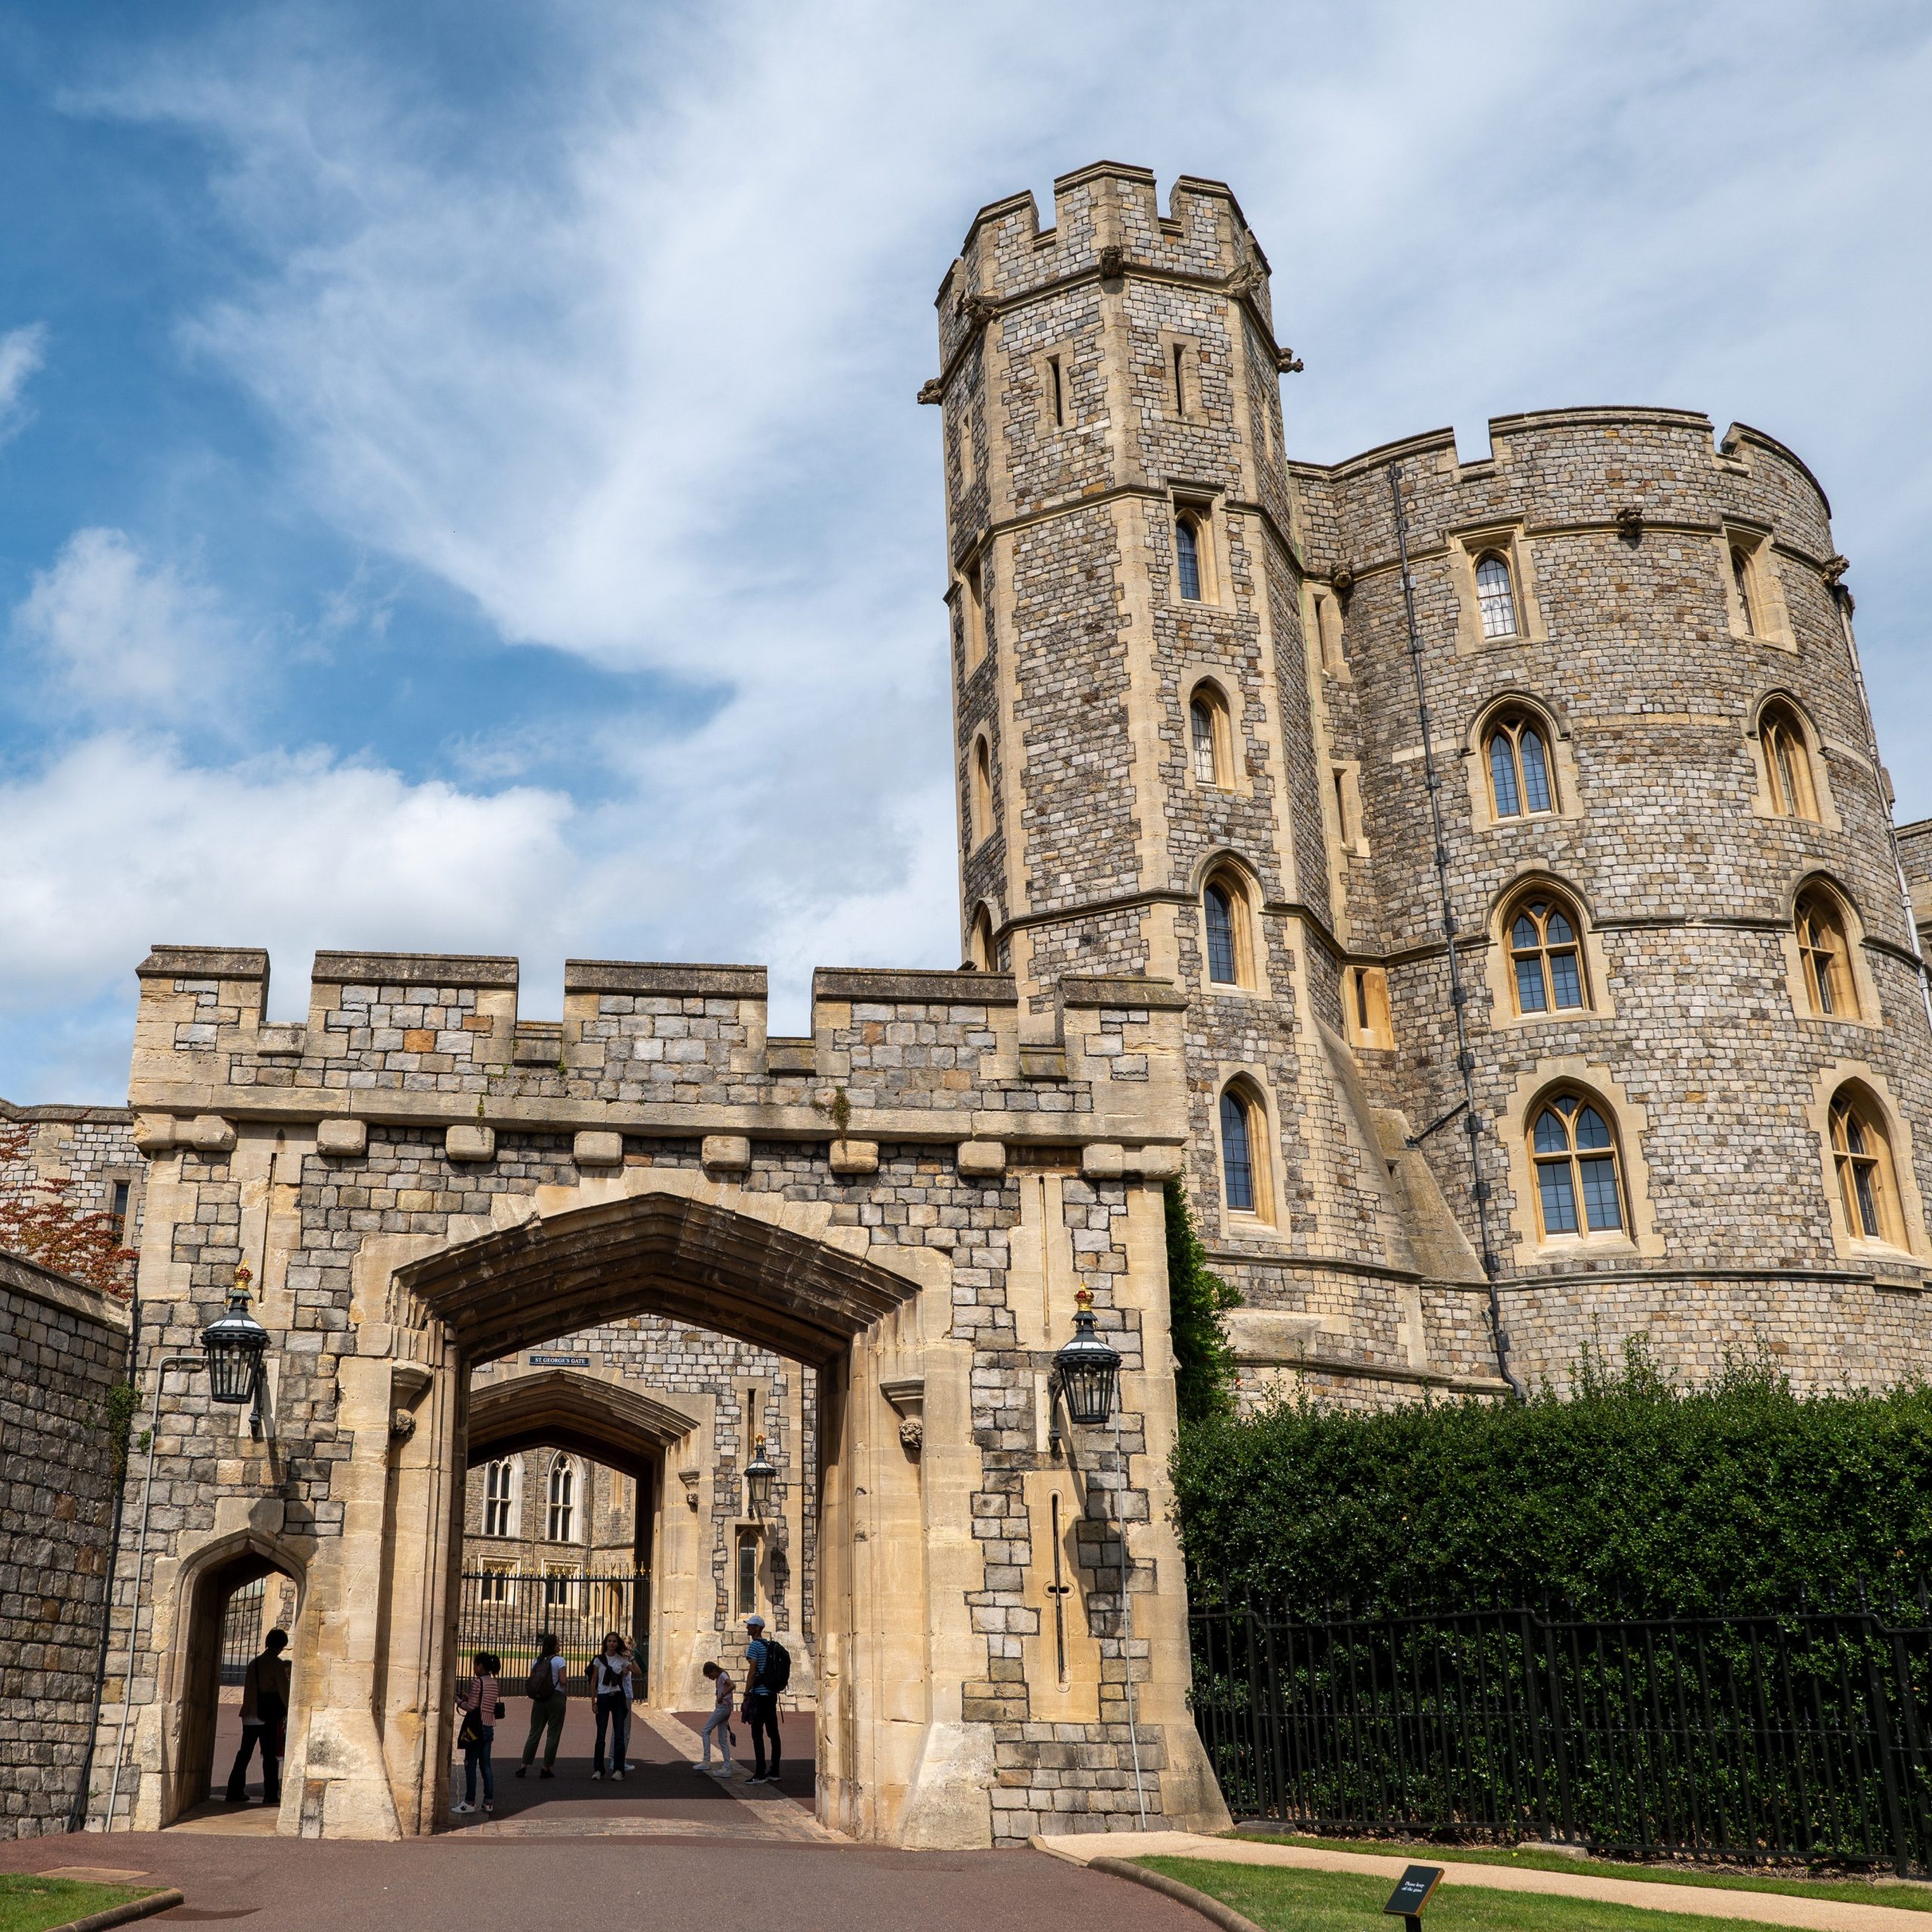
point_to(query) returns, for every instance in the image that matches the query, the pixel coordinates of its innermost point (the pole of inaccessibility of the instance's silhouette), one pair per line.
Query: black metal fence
(1800, 1736)
(241, 1629)
(507, 1611)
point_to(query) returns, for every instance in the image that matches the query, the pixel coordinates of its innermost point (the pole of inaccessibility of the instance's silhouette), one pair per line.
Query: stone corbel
(933, 389)
(907, 1395)
(409, 1383)
(1113, 261)
(689, 1477)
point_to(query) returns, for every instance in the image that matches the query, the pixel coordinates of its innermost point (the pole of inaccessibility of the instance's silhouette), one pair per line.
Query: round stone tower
(1188, 693)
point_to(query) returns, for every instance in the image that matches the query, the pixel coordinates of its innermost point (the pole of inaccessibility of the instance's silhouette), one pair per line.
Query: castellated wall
(906, 1200)
(62, 1347)
(1108, 379)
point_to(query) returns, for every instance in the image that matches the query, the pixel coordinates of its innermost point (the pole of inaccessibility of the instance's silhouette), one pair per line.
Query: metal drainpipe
(1465, 1058)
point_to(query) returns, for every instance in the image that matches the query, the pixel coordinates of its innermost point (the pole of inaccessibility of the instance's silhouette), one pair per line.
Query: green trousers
(546, 1714)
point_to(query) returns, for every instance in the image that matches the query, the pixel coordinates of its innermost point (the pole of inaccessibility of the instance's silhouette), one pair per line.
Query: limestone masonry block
(594, 1149)
(209, 1133)
(855, 1157)
(154, 1133)
(1156, 1163)
(728, 1153)
(470, 1143)
(1103, 1160)
(982, 1157)
(346, 1138)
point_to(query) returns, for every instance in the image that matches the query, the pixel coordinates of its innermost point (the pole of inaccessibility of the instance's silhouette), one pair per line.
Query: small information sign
(1412, 1893)
(559, 1361)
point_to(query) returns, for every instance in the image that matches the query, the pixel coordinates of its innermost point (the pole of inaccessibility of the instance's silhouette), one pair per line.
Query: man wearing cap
(761, 1706)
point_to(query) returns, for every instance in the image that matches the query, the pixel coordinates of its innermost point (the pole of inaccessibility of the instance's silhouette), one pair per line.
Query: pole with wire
(1458, 993)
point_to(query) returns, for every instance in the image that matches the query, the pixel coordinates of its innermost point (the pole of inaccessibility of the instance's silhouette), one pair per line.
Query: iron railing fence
(241, 1629)
(1747, 1737)
(507, 1611)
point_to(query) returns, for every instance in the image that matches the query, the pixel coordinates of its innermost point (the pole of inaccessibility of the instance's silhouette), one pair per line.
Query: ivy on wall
(1629, 1493)
(1203, 1363)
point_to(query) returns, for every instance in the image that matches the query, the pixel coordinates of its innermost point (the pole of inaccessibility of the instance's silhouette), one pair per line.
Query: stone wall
(62, 1347)
(1647, 673)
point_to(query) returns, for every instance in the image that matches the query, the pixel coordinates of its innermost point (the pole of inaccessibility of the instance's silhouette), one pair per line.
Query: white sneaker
(594, 1776)
(721, 1771)
(700, 1763)
(465, 1807)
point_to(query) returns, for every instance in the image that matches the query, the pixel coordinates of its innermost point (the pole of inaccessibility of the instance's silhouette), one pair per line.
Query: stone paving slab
(1697, 1901)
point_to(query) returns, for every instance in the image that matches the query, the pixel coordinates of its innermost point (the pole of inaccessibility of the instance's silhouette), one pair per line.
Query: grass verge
(31, 1904)
(1854, 1891)
(1286, 1899)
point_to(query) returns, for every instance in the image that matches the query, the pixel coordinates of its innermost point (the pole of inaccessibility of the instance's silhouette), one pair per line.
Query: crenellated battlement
(1107, 223)
(649, 1048)
(1564, 469)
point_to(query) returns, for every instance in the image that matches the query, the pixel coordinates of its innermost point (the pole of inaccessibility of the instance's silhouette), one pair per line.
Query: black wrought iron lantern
(233, 1344)
(1087, 1370)
(760, 1478)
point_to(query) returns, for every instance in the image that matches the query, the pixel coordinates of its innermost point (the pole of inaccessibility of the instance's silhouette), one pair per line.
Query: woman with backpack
(610, 1672)
(548, 1701)
(481, 1704)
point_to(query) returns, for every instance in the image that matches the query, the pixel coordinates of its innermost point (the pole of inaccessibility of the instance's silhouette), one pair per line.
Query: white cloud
(21, 352)
(121, 842)
(128, 638)
(625, 357)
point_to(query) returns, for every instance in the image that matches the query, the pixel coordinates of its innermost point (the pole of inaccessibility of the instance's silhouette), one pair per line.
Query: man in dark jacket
(264, 1721)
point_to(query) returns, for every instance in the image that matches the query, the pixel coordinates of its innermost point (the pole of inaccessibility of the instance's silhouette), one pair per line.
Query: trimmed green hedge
(1628, 1494)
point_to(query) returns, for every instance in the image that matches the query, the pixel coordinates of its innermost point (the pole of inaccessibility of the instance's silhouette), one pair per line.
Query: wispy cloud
(125, 638)
(22, 352)
(618, 350)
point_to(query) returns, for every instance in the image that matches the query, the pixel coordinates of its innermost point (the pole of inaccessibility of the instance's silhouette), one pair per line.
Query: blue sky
(459, 484)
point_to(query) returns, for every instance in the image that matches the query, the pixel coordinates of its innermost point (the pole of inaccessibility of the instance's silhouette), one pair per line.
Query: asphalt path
(466, 1883)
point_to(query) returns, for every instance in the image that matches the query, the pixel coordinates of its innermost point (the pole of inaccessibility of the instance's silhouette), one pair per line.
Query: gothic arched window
(1827, 955)
(1495, 595)
(1740, 580)
(1245, 1184)
(1187, 556)
(1519, 773)
(1862, 1152)
(500, 1499)
(1579, 1188)
(982, 826)
(1787, 763)
(1209, 748)
(560, 1525)
(1546, 955)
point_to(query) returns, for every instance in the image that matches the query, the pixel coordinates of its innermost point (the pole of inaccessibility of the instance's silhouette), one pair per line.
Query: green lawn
(29, 1904)
(1857, 1891)
(1284, 1899)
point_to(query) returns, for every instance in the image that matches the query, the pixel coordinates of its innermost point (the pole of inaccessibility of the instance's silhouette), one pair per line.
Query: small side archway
(206, 1586)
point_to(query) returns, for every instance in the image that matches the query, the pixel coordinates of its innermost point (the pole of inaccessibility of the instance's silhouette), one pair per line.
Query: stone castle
(1474, 880)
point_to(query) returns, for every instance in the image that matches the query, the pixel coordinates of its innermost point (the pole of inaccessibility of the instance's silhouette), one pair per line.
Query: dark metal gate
(507, 1611)
(1798, 1736)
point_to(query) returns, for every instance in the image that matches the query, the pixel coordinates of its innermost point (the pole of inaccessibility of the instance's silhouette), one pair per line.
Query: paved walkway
(1700, 1901)
(467, 1882)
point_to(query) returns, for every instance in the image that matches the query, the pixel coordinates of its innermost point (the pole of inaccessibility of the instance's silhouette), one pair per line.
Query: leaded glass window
(1495, 595)
(1579, 1189)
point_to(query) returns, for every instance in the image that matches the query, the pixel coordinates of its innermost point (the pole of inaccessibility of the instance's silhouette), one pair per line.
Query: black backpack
(777, 1671)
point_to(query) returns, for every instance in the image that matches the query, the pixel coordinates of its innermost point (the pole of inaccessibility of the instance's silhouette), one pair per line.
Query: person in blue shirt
(761, 1707)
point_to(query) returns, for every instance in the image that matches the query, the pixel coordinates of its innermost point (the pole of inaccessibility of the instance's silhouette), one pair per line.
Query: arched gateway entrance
(654, 1250)
(906, 1202)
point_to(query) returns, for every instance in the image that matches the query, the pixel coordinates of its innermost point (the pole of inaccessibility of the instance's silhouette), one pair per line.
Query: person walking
(264, 1721)
(762, 1701)
(611, 1672)
(718, 1724)
(482, 1706)
(548, 1701)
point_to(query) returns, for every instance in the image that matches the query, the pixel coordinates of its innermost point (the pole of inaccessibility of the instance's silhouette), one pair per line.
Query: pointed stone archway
(589, 1415)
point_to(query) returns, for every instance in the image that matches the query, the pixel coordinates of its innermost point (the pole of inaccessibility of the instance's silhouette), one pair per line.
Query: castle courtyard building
(1471, 877)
